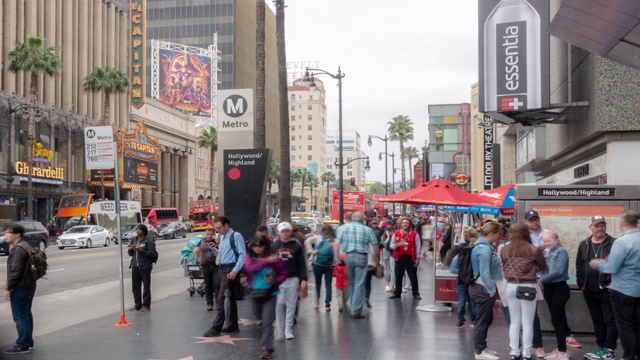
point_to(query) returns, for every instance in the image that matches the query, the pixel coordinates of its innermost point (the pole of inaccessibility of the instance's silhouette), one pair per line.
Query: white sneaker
(485, 355)
(492, 352)
(388, 288)
(278, 336)
(289, 335)
(408, 287)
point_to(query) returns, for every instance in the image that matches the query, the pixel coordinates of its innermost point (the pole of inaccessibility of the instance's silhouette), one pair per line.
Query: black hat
(531, 214)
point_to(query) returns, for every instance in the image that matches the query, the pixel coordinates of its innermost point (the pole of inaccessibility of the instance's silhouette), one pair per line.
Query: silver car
(84, 236)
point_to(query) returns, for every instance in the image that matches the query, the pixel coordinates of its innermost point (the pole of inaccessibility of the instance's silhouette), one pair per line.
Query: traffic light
(353, 181)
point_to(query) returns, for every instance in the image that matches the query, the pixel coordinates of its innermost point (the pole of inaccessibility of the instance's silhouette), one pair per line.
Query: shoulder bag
(527, 293)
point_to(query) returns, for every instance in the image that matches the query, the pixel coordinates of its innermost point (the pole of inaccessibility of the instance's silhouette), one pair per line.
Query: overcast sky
(398, 56)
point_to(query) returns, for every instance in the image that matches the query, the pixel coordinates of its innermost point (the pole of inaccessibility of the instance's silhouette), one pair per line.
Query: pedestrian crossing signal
(353, 181)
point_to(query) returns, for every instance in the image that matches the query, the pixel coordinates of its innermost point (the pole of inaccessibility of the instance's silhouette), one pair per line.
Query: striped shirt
(356, 237)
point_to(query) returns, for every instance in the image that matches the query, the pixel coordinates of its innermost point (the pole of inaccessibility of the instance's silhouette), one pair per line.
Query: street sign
(99, 144)
(109, 207)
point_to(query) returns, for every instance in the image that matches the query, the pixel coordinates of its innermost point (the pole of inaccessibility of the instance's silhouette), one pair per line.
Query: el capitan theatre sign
(137, 42)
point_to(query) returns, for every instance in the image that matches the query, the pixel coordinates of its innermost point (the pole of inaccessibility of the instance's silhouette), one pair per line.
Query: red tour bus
(202, 214)
(155, 216)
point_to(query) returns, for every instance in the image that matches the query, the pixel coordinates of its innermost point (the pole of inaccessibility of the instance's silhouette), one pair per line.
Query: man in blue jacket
(624, 266)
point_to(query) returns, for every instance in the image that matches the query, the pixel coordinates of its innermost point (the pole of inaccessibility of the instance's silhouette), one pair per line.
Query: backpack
(37, 260)
(325, 253)
(154, 255)
(465, 268)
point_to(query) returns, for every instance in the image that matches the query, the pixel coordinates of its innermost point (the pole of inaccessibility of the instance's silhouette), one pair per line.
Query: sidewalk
(393, 329)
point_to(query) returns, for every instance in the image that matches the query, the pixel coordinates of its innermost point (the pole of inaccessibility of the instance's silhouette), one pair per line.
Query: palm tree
(313, 183)
(285, 159)
(37, 59)
(328, 178)
(411, 153)
(109, 80)
(208, 139)
(274, 176)
(260, 130)
(401, 130)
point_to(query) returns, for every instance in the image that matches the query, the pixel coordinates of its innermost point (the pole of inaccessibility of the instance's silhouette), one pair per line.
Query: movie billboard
(185, 81)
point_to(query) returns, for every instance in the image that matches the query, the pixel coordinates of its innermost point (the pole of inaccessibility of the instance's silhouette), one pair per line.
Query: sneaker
(485, 355)
(515, 357)
(134, 309)
(609, 354)
(327, 308)
(408, 287)
(596, 354)
(289, 335)
(315, 304)
(366, 301)
(341, 310)
(17, 350)
(472, 323)
(388, 288)
(539, 353)
(145, 309)
(395, 296)
(460, 324)
(492, 352)
(557, 355)
(404, 290)
(258, 322)
(209, 307)
(278, 336)
(571, 342)
(417, 297)
(266, 353)
(212, 333)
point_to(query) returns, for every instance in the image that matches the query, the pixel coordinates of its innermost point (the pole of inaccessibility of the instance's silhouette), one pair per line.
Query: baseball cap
(285, 226)
(597, 219)
(531, 214)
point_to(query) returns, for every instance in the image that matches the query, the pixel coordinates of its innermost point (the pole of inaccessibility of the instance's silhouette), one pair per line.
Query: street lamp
(386, 169)
(308, 80)
(425, 162)
(340, 165)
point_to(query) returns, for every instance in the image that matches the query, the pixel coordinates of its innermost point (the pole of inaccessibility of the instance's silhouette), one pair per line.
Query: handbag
(261, 294)
(378, 271)
(527, 293)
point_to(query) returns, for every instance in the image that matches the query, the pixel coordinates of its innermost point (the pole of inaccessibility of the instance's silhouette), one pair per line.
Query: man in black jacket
(21, 288)
(142, 250)
(595, 288)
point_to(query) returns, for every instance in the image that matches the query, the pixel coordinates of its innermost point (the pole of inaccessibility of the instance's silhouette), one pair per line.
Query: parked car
(172, 230)
(188, 223)
(84, 236)
(129, 232)
(35, 234)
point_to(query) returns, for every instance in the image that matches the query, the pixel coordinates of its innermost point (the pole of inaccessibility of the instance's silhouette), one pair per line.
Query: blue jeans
(319, 271)
(357, 275)
(463, 299)
(21, 302)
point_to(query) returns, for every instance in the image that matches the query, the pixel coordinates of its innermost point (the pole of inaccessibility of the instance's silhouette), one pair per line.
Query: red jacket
(340, 273)
(409, 249)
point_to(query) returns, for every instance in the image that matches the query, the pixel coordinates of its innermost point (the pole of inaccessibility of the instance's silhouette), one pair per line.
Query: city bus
(201, 213)
(73, 210)
(155, 216)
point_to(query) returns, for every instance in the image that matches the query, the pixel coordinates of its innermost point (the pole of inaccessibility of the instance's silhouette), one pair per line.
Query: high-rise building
(449, 141)
(194, 23)
(351, 149)
(308, 129)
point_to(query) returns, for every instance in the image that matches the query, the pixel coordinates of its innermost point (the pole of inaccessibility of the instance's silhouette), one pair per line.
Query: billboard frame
(212, 53)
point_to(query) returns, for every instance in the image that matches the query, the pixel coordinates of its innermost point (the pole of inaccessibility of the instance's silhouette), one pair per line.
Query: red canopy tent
(438, 192)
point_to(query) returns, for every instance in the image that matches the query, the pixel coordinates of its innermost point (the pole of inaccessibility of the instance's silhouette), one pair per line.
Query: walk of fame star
(226, 339)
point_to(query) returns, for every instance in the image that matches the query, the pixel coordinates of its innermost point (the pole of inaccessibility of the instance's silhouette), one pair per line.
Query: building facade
(449, 141)
(90, 34)
(194, 23)
(593, 121)
(351, 149)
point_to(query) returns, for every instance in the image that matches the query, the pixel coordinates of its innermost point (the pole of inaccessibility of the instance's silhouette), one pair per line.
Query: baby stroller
(191, 268)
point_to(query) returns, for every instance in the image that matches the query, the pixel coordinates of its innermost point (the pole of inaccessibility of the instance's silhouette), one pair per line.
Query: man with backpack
(21, 288)
(230, 259)
(142, 250)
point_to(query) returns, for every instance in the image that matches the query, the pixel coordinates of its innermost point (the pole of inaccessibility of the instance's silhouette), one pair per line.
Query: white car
(84, 236)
